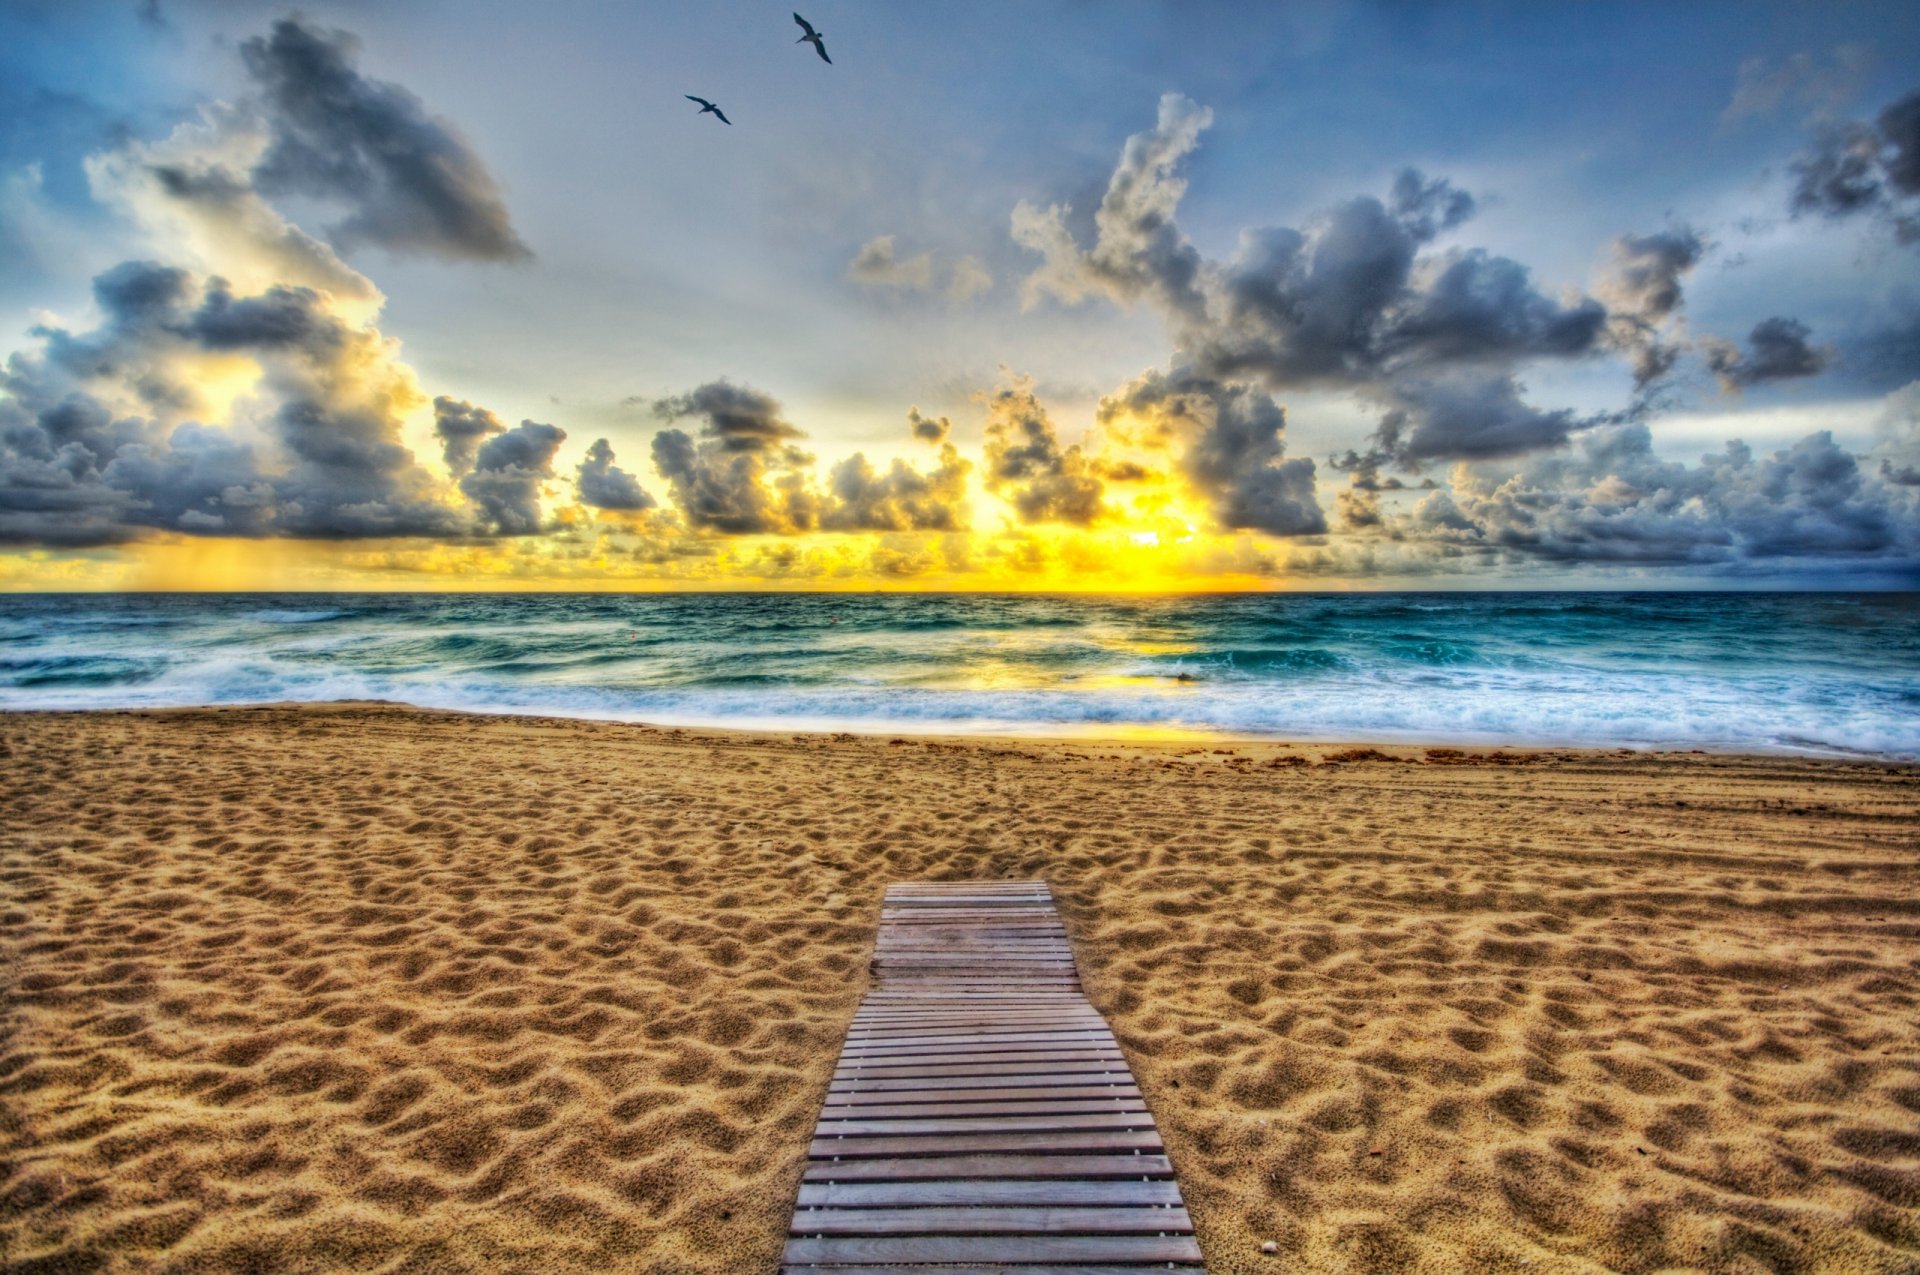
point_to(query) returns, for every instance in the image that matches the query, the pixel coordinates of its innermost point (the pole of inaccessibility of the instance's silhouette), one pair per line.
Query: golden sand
(359, 987)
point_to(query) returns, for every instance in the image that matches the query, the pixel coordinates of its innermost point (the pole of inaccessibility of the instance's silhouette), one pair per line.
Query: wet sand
(361, 987)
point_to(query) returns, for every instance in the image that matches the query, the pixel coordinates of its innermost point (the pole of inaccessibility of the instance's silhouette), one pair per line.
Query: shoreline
(363, 986)
(1143, 736)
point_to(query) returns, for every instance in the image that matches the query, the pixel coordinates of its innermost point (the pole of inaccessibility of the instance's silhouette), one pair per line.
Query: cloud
(1465, 415)
(1616, 502)
(461, 428)
(928, 429)
(412, 182)
(1428, 207)
(1138, 250)
(741, 419)
(1777, 350)
(604, 485)
(190, 193)
(1026, 464)
(1609, 501)
(1897, 453)
(1899, 125)
(507, 476)
(1234, 453)
(1643, 290)
(1346, 301)
(1856, 167)
(1806, 79)
(861, 498)
(239, 387)
(105, 436)
(876, 266)
(742, 476)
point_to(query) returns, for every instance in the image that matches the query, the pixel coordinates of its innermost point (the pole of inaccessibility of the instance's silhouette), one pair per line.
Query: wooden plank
(1027, 1143)
(986, 1016)
(979, 1064)
(984, 1041)
(1130, 1166)
(1069, 1220)
(1063, 1093)
(989, 1078)
(997, 1268)
(998, 1107)
(1047, 1122)
(981, 1248)
(974, 1191)
(972, 1023)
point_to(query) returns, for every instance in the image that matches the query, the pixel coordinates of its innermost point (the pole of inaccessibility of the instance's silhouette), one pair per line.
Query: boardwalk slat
(997, 1268)
(858, 1100)
(992, 1078)
(982, 1248)
(965, 1191)
(1070, 1220)
(936, 1110)
(983, 1064)
(968, 1125)
(1127, 1166)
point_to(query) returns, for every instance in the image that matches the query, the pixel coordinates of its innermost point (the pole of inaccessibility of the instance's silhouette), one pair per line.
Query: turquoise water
(1806, 672)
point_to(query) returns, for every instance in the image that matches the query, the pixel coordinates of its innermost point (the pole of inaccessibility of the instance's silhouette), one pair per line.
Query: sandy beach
(362, 987)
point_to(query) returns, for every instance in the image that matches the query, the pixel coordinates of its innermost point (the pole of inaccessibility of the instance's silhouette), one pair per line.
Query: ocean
(1824, 673)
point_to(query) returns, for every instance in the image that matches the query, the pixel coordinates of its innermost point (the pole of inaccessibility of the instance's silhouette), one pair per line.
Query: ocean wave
(270, 616)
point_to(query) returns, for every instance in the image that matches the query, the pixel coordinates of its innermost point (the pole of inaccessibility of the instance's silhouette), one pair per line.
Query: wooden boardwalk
(981, 1117)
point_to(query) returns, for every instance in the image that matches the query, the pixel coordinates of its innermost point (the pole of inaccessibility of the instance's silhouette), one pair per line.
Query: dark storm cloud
(1345, 301)
(1858, 167)
(98, 443)
(741, 419)
(507, 475)
(743, 476)
(413, 183)
(461, 428)
(1234, 453)
(1343, 304)
(1616, 502)
(1468, 416)
(1899, 125)
(1025, 462)
(1777, 350)
(604, 485)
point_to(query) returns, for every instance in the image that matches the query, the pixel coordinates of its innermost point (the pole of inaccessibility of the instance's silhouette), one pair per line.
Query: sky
(1045, 294)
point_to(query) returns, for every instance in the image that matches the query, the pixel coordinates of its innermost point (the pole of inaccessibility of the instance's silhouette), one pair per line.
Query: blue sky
(666, 252)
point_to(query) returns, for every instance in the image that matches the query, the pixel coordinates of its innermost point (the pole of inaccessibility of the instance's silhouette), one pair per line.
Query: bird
(812, 37)
(706, 106)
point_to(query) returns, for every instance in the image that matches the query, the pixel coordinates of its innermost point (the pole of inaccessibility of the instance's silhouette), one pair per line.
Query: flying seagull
(706, 106)
(812, 37)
